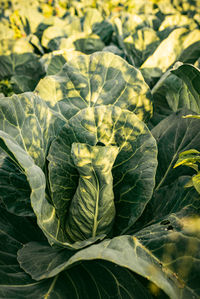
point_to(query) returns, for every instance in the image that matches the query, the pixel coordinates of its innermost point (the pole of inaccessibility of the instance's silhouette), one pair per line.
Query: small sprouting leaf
(189, 158)
(196, 182)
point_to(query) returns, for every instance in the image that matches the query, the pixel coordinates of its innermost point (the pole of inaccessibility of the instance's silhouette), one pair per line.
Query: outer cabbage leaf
(125, 251)
(83, 42)
(53, 62)
(93, 80)
(14, 188)
(172, 93)
(181, 44)
(14, 282)
(133, 171)
(141, 44)
(104, 29)
(91, 17)
(174, 135)
(86, 280)
(30, 122)
(34, 174)
(175, 241)
(115, 50)
(87, 44)
(166, 201)
(175, 20)
(191, 76)
(10, 46)
(165, 56)
(62, 28)
(24, 70)
(25, 164)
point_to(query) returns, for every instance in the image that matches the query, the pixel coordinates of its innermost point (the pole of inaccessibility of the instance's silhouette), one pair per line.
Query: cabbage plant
(88, 209)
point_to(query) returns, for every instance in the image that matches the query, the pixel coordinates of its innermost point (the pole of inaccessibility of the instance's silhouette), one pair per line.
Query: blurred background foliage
(150, 35)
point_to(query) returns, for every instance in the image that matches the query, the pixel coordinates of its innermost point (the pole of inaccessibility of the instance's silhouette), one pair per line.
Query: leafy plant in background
(140, 32)
(94, 204)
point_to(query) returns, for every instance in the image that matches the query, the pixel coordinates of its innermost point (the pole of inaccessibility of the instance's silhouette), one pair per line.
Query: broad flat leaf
(62, 28)
(134, 168)
(89, 279)
(82, 42)
(181, 44)
(104, 29)
(191, 76)
(25, 163)
(14, 188)
(5, 31)
(131, 22)
(141, 45)
(165, 56)
(91, 17)
(24, 70)
(170, 94)
(190, 48)
(88, 44)
(124, 251)
(174, 135)
(53, 62)
(191, 54)
(93, 80)
(29, 121)
(177, 19)
(115, 50)
(14, 47)
(14, 282)
(168, 200)
(175, 241)
(102, 279)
